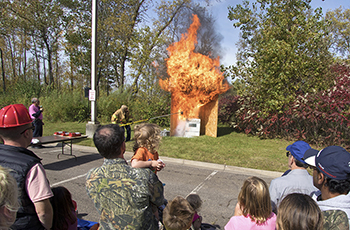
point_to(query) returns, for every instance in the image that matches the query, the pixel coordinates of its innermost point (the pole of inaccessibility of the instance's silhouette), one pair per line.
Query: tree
(284, 49)
(339, 27)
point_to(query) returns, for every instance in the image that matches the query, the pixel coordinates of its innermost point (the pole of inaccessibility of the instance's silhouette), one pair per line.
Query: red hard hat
(14, 115)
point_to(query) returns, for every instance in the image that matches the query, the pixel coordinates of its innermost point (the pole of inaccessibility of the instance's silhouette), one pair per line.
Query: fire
(194, 79)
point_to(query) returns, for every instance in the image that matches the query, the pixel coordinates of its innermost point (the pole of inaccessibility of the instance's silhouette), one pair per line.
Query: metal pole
(93, 59)
(92, 125)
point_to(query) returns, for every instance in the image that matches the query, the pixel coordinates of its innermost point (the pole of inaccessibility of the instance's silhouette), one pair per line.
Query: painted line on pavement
(196, 189)
(64, 181)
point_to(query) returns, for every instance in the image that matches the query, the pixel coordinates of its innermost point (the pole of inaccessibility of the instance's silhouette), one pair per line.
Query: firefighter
(123, 118)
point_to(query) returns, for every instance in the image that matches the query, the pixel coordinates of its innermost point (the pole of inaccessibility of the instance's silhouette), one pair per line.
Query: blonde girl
(253, 210)
(147, 139)
(8, 198)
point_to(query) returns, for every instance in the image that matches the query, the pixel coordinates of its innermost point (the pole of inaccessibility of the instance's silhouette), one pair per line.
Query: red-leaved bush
(321, 118)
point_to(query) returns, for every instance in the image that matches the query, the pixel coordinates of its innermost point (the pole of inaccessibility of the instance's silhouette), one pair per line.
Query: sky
(231, 34)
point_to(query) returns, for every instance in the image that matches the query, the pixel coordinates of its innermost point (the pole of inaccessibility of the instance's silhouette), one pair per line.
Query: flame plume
(194, 79)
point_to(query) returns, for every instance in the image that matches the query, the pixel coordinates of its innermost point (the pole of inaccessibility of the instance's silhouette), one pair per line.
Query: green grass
(228, 148)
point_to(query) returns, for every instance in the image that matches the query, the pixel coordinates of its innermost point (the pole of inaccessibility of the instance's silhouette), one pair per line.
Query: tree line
(45, 45)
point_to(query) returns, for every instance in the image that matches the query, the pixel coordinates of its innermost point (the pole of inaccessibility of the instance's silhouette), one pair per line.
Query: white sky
(231, 34)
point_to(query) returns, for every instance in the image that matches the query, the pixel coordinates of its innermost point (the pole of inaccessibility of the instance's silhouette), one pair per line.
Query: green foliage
(67, 106)
(148, 107)
(339, 27)
(283, 51)
(320, 118)
(108, 104)
(21, 93)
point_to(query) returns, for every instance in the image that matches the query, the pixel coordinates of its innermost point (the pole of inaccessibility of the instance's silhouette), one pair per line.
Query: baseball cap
(297, 149)
(333, 161)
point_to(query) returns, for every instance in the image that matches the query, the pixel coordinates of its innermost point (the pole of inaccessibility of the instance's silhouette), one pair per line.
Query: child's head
(195, 201)
(8, 198)
(63, 208)
(254, 199)
(147, 135)
(178, 214)
(299, 212)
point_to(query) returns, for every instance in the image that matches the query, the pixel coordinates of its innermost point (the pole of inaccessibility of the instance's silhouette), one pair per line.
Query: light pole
(92, 125)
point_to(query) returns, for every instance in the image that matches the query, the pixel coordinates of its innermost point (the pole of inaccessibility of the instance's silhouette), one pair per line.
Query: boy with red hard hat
(16, 131)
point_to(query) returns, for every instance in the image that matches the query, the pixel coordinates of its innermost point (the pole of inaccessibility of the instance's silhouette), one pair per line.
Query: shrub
(320, 118)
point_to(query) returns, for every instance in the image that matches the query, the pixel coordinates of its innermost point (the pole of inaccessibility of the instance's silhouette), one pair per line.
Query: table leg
(70, 145)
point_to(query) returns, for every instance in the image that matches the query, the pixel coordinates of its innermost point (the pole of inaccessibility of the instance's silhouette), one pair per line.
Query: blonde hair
(8, 190)
(148, 136)
(254, 199)
(178, 214)
(195, 201)
(299, 212)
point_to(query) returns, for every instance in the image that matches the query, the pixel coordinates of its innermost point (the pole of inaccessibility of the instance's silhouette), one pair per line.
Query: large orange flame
(194, 79)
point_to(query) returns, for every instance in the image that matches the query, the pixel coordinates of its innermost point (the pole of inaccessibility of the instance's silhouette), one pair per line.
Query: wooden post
(209, 118)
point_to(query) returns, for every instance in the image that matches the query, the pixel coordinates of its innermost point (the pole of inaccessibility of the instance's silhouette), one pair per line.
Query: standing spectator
(16, 130)
(8, 198)
(297, 180)
(123, 117)
(331, 175)
(123, 195)
(299, 212)
(253, 210)
(178, 214)
(35, 112)
(147, 138)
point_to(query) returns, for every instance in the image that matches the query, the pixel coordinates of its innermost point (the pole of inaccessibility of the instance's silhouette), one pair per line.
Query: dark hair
(63, 208)
(108, 140)
(337, 186)
(300, 164)
(299, 212)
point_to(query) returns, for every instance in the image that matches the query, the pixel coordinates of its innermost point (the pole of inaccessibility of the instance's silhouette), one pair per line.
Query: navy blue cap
(297, 149)
(333, 161)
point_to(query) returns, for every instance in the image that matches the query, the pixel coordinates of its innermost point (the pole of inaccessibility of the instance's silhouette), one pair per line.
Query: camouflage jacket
(123, 195)
(335, 220)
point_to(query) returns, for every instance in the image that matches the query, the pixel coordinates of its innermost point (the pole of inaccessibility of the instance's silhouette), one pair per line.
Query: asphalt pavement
(217, 185)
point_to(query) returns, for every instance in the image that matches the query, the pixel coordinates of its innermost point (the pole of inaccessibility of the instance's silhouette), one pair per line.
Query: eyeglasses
(32, 128)
(287, 154)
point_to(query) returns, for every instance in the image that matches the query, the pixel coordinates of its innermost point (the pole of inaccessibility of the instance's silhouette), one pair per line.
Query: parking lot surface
(217, 185)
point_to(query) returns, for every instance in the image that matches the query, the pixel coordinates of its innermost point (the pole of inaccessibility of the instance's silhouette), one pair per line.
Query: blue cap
(333, 161)
(297, 149)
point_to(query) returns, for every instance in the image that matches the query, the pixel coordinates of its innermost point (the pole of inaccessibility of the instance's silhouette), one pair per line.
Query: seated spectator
(253, 210)
(299, 212)
(331, 175)
(64, 215)
(196, 203)
(8, 198)
(335, 220)
(296, 180)
(178, 214)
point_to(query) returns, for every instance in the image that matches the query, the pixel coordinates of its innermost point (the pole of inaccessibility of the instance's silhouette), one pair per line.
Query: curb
(213, 166)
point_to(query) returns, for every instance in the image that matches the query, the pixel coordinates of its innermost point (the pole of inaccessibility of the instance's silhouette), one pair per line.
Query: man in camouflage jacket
(335, 220)
(123, 195)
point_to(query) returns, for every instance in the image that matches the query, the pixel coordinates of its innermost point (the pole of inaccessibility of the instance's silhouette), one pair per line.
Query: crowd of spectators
(132, 196)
